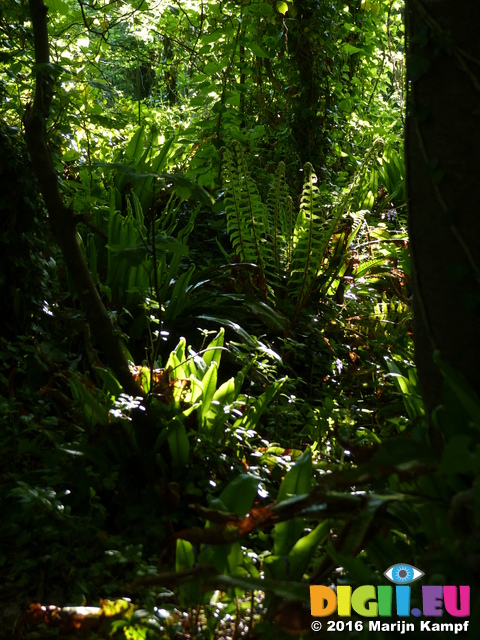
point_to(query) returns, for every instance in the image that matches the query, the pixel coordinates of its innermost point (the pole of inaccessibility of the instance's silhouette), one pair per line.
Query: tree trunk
(62, 219)
(442, 152)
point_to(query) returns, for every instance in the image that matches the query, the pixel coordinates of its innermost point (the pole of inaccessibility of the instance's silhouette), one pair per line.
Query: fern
(294, 259)
(243, 207)
(279, 209)
(309, 241)
(359, 184)
(248, 222)
(340, 261)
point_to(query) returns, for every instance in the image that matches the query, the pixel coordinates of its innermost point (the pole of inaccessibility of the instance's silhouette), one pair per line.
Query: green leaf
(178, 443)
(304, 549)
(258, 51)
(350, 48)
(185, 558)
(255, 411)
(298, 479)
(213, 352)
(272, 318)
(185, 188)
(246, 337)
(103, 87)
(212, 67)
(212, 37)
(282, 7)
(177, 301)
(158, 162)
(296, 482)
(94, 411)
(226, 393)
(111, 384)
(134, 150)
(58, 6)
(239, 494)
(296, 563)
(209, 382)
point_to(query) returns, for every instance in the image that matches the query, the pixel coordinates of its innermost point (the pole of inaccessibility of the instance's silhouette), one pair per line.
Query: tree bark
(442, 152)
(62, 219)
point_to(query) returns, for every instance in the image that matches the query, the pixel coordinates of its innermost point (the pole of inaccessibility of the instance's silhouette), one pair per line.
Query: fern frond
(358, 219)
(279, 208)
(232, 204)
(309, 240)
(339, 259)
(289, 230)
(248, 223)
(370, 266)
(359, 180)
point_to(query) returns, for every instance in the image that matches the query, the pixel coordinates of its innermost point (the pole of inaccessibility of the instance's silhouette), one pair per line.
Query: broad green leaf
(258, 51)
(137, 208)
(272, 318)
(293, 566)
(260, 9)
(103, 87)
(258, 132)
(234, 559)
(176, 360)
(255, 411)
(350, 48)
(225, 394)
(355, 531)
(239, 494)
(180, 350)
(111, 384)
(213, 67)
(185, 559)
(213, 353)
(212, 37)
(297, 481)
(179, 295)
(58, 6)
(209, 382)
(185, 188)
(158, 163)
(178, 443)
(303, 550)
(459, 456)
(134, 150)
(94, 411)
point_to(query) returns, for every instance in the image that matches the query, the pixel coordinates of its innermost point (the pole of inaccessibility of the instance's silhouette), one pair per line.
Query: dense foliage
(237, 179)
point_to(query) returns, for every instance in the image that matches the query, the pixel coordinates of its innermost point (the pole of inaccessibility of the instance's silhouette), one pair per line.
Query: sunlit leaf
(239, 494)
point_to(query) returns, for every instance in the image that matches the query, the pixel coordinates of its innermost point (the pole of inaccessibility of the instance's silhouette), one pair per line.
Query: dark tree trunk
(306, 129)
(443, 173)
(62, 219)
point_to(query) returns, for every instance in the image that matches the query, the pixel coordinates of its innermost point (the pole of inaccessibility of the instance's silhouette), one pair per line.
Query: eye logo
(403, 574)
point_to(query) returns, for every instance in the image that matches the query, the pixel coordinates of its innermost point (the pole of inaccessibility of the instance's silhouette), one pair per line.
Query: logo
(384, 601)
(403, 573)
